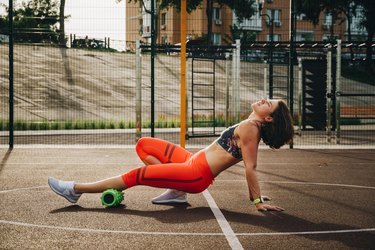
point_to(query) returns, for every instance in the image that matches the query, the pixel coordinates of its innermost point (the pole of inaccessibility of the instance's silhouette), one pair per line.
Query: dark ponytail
(280, 131)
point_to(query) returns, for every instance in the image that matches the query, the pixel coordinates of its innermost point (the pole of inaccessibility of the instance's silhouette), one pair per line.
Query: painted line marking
(310, 232)
(223, 223)
(20, 189)
(305, 183)
(227, 230)
(90, 230)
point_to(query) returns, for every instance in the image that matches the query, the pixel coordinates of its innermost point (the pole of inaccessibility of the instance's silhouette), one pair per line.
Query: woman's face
(264, 108)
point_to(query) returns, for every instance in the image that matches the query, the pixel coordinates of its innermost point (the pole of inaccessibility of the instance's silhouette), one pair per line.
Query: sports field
(327, 196)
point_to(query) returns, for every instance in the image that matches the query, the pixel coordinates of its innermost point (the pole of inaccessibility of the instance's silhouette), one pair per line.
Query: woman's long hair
(280, 131)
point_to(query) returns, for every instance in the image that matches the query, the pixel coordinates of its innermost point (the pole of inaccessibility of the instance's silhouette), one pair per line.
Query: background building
(138, 24)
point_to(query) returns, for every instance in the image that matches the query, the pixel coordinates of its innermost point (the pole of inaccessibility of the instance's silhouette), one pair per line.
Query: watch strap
(258, 200)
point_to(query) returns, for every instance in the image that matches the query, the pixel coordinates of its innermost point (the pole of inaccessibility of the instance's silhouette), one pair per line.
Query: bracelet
(258, 200)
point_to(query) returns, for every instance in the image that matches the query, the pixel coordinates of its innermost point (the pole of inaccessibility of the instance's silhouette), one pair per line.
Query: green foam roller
(112, 197)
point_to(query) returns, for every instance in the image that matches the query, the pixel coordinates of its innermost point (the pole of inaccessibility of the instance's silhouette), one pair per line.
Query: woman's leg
(192, 176)
(151, 151)
(72, 191)
(155, 151)
(100, 186)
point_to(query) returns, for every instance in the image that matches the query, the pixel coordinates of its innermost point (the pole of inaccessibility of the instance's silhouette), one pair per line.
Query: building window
(164, 19)
(216, 15)
(327, 18)
(329, 37)
(327, 21)
(276, 37)
(275, 15)
(304, 36)
(216, 38)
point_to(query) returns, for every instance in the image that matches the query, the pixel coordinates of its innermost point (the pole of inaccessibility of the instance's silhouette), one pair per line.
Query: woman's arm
(248, 134)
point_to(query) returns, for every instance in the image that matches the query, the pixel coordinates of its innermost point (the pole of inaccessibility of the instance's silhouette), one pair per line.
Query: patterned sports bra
(228, 141)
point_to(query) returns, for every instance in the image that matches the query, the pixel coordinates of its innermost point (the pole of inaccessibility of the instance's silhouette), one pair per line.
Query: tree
(245, 36)
(368, 22)
(62, 23)
(242, 8)
(34, 21)
(312, 10)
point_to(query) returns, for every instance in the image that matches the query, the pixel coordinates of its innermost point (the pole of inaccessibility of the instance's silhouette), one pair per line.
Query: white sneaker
(170, 196)
(64, 188)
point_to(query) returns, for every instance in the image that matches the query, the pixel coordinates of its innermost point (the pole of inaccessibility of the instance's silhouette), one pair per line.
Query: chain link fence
(85, 92)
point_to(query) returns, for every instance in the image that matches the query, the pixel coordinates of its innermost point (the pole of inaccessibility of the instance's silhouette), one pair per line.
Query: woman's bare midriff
(218, 159)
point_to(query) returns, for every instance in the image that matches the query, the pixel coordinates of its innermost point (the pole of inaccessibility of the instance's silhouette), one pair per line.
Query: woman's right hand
(263, 207)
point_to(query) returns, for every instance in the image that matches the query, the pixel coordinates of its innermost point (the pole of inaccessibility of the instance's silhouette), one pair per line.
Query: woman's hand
(263, 207)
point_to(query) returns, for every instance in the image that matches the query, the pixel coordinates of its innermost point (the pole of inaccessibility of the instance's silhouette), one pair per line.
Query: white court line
(223, 223)
(91, 230)
(18, 189)
(304, 183)
(309, 232)
(228, 232)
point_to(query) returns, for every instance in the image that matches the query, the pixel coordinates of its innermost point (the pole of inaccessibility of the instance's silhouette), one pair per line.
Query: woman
(170, 166)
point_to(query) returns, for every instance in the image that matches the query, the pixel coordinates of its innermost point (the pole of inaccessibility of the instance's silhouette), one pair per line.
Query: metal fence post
(265, 80)
(11, 80)
(138, 92)
(238, 74)
(328, 94)
(227, 83)
(300, 96)
(187, 99)
(338, 85)
(234, 86)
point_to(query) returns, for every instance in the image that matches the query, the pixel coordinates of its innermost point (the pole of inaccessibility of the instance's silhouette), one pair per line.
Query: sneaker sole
(57, 192)
(170, 201)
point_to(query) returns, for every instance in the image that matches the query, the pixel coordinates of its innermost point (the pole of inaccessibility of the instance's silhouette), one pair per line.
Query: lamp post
(270, 58)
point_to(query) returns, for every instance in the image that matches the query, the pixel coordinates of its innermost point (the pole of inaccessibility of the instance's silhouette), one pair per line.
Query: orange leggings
(179, 169)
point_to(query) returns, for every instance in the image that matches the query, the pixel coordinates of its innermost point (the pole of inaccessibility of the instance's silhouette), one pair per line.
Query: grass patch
(161, 122)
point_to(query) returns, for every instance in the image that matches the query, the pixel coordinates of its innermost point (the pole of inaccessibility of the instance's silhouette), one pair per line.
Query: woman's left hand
(263, 207)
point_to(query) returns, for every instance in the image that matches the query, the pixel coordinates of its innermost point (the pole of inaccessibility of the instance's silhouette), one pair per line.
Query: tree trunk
(62, 24)
(369, 61)
(349, 17)
(209, 9)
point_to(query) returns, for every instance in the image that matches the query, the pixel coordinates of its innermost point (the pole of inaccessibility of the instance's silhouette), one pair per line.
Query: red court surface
(328, 196)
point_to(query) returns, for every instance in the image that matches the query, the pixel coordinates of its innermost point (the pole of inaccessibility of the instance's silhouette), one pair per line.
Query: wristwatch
(258, 200)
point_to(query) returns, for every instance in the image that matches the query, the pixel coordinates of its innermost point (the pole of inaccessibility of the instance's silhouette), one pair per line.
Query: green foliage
(34, 21)
(191, 5)
(161, 122)
(242, 8)
(245, 36)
